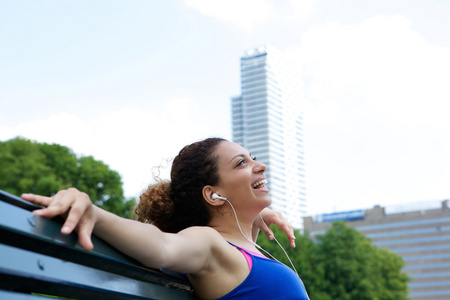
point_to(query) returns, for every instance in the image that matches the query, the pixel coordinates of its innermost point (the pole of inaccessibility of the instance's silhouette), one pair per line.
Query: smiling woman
(202, 223)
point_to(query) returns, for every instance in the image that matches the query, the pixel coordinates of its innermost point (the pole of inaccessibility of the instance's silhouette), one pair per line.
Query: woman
(203, 223)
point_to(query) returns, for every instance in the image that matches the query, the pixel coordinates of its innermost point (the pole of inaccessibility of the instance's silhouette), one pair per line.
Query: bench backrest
(37, 260)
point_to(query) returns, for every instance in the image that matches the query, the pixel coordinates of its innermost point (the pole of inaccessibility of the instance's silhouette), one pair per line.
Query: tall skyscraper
(267, 120)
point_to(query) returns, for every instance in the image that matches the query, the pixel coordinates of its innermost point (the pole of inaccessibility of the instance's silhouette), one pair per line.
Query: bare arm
(188, 251)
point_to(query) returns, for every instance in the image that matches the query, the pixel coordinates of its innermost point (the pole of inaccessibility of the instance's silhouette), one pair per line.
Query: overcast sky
(131, 82)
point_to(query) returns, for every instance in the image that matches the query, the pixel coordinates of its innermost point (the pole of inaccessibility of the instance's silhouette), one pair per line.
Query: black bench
(37, 261)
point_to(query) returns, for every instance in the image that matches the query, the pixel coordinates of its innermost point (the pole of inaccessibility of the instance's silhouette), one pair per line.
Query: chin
(269, 201)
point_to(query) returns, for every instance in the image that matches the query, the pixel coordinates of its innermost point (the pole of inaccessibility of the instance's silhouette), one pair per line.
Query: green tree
(342, 264)
(355, 269)
(392, 282)
(21, 166)
(28, 166)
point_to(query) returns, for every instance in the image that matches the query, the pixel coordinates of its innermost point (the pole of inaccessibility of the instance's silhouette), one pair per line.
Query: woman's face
(242, 179)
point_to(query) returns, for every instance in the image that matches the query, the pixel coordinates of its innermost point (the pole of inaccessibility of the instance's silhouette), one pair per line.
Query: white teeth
(259, 183)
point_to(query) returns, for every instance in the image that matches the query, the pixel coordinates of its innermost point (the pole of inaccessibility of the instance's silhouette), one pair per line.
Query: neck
(238, 232)
(234, 230)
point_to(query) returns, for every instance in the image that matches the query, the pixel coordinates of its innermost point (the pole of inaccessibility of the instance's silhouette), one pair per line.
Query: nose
(259, 167)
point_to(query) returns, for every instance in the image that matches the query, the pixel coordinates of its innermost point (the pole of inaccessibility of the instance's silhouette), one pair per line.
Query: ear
(207, 192)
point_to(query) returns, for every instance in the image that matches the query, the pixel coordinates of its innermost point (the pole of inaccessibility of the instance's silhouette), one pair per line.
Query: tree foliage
(342, 264)
(40, 168)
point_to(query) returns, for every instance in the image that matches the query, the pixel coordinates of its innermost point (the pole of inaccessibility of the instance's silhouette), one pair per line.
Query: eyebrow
(240, 155)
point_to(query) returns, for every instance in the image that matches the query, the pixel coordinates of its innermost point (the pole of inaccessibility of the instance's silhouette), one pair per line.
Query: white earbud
(215, 196)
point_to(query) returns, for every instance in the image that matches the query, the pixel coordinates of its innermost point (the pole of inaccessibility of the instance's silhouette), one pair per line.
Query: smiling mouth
(259, 184)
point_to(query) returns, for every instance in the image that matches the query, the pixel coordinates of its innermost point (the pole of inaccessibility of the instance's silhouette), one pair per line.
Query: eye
(244, 161)
(241, 162)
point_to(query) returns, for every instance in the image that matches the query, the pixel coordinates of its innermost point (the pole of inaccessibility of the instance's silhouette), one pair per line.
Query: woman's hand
(72, 204)
(272, 217)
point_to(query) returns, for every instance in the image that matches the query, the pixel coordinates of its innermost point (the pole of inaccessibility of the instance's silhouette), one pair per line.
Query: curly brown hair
(178, 204)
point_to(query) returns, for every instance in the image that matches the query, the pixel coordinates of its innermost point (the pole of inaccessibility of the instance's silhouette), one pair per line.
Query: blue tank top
(268, 279)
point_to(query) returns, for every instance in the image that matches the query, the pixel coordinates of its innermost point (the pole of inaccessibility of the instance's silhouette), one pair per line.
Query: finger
(85, 229)
(264, 226)
(291, 236)
(75, 215)
(37, 199)
(279, 220)
(60, 204)
(293, 243)
(85, 241)
(266, 229)
(292, 240)
(288, 229)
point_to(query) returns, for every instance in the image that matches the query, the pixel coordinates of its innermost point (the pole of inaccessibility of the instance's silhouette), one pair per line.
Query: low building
(418, 232)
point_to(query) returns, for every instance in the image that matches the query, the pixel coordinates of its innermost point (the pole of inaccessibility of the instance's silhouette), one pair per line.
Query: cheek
(241, 183)
(233, 183)
(236, 181)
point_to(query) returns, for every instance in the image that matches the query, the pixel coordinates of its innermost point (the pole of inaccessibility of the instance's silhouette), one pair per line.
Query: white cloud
(302, 10)
(248, 14)
(243, 14)
(131, 140)
(383, 63)
(376, 115)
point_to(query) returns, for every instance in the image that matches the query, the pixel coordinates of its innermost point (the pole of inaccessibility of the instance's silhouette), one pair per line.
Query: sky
(132, 82)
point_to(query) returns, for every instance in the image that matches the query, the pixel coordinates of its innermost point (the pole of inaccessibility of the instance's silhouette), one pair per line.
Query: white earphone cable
(258, 246)
(295, 270)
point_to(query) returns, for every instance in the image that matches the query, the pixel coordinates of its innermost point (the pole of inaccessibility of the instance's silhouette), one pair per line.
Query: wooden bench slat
(26, 239)
(30, 271)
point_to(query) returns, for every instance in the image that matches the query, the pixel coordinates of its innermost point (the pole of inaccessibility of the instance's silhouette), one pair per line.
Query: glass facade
(267, 120)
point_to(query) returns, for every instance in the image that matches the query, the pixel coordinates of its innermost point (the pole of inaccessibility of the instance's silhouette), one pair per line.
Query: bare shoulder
(212, 243)
(202, 230)
(207, 235)
(223, 267)
(219, 253)
(194, 250)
